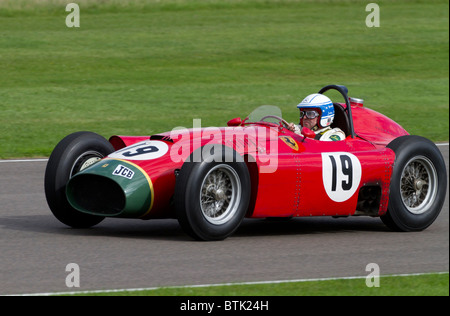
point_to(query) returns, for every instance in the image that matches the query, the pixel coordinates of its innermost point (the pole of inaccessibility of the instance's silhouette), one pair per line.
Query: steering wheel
(280, 120)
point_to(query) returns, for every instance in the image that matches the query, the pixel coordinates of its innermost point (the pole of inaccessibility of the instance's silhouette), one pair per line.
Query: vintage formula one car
(211, 178)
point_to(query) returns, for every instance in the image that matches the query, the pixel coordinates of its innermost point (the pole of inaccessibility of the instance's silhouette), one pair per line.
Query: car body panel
(375, 127)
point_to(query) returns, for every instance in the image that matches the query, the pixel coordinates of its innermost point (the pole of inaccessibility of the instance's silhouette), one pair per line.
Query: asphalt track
(35, 248)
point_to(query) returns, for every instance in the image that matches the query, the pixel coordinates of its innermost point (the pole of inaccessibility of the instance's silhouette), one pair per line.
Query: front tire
(418, 185)
(212, 195)
(74, 153)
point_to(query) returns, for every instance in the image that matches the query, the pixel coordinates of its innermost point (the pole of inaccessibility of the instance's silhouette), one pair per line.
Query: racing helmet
(322, 104)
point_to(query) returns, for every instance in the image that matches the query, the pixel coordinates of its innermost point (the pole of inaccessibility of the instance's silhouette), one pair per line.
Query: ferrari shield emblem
(335, 137)
(290, 142)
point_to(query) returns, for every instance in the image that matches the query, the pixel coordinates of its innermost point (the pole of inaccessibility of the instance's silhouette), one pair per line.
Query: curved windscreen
(264, 113)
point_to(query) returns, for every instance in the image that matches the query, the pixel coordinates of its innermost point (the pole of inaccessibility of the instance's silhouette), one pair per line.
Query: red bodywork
(290, 173)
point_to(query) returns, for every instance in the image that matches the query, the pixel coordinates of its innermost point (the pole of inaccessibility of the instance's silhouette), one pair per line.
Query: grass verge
(409, 285)
(138, 68)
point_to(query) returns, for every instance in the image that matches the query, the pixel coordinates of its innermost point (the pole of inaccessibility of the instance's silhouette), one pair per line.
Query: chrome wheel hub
(418, 185)
(86, 160)
(220, 194)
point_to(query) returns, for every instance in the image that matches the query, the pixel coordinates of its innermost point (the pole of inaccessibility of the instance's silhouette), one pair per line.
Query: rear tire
(74, 153)
(212, 195)
(418, 185)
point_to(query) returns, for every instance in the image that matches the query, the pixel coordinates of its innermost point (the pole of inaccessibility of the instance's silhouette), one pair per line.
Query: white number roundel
(341, 174)
(146, 150)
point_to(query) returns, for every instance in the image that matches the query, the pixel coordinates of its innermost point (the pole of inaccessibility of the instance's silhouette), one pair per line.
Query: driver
(317, 114)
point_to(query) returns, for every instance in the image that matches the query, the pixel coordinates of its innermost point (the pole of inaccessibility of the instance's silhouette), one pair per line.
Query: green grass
(144, 67)
(414, 285)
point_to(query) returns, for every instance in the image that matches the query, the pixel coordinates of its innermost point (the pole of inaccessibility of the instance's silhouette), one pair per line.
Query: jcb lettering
(123, 172)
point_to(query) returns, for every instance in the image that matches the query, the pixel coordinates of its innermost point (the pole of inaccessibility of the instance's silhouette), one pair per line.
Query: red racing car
(211, 178)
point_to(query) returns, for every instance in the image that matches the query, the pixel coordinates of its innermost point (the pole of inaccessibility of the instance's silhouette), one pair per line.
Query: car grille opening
(96, 195)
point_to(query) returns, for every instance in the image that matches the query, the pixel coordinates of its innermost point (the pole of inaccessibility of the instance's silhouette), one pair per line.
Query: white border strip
(220, 284)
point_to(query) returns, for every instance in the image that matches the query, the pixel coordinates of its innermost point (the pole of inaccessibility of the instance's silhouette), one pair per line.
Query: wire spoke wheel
(418, 186)
(85, 160)
(220, 194)
(212, 195)
(73, 153)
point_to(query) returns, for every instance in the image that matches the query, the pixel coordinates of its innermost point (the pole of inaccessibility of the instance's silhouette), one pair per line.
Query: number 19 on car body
(341, 174)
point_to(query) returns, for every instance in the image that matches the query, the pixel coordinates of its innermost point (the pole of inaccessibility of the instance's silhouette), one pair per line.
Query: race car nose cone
(111, 188)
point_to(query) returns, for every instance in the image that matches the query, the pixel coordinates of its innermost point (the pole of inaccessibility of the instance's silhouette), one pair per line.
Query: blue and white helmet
(322, 103)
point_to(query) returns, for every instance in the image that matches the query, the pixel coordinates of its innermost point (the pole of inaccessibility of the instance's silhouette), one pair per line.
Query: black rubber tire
(189, 185)
(409, 149)
(65, 161)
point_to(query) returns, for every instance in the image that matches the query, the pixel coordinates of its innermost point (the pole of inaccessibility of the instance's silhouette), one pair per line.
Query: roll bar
(344, 91)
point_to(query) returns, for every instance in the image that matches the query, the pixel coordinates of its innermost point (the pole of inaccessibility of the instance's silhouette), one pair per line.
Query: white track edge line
(220, 284)
(25, 160)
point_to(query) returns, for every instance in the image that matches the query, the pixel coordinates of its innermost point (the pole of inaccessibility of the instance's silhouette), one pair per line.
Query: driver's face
(308, 123)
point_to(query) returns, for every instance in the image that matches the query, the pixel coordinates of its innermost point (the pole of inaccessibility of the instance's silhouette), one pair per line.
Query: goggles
(309, 114)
